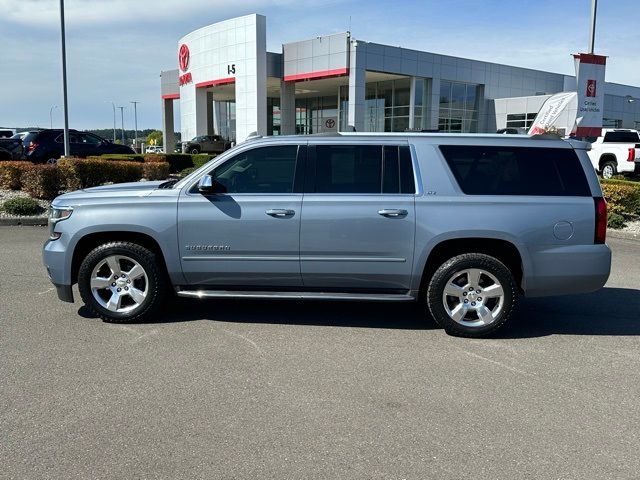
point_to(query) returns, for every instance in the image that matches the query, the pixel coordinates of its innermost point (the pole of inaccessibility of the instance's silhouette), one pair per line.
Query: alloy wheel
(119, 283)
(473, 297)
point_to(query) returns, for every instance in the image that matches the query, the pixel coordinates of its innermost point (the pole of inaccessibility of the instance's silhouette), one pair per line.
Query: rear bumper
(568, 270)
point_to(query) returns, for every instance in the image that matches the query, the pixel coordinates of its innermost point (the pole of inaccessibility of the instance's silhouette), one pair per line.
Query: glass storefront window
(387, 105)
(458, 107)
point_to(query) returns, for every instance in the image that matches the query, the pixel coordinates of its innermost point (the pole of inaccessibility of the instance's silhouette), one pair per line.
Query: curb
(26, 221)
(624, 235)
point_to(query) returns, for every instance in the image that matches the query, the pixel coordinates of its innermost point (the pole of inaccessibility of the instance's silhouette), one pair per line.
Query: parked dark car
(47, 146)
(10, 148)
(207, 144)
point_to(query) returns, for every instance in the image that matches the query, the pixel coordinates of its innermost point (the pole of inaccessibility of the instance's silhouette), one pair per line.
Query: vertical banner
(590, 79)
(559, 112)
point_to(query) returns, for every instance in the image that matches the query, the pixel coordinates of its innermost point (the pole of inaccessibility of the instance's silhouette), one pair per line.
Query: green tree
(154, 138)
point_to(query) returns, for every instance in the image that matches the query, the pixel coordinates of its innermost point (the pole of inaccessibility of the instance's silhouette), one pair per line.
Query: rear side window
(621, 137)
(485, 170)
(369, 169)
(348, 168)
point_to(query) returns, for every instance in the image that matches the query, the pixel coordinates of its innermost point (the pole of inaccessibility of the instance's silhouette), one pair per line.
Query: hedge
(42, 181)
(155, 170)
(623, 197)
(177, 161)
(80, 173)
(10, 174)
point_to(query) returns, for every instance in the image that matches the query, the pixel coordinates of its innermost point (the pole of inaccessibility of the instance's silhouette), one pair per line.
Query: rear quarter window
(488, 170)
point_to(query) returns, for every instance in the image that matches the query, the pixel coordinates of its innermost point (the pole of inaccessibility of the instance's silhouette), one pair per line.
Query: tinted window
(482, 170)
(407, 182)
(89, 139)
(348, 169)
(29, 138)
(621, 137)
(261, 170)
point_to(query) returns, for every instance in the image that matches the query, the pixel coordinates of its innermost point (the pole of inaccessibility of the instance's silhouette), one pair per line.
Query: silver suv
(463, 224)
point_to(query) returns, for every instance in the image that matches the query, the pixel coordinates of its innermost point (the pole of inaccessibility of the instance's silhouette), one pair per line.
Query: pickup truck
(615, 151)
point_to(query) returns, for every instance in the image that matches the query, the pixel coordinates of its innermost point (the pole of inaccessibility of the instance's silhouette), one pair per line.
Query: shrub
(615, 221)
(121, 157)
(42, 181)
(178, 161)
(187, 171)
(200, 159)
(155, 170)
(80, 173)
(154, 158)
(623, 197)
(22, 206)
(11, 173)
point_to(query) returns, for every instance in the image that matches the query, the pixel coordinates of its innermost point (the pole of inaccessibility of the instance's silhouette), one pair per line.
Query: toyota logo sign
(183, 57)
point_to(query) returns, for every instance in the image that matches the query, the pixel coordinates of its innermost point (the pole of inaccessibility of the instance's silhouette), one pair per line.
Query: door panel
(346, 243)
(230, 239)
(354, 236)
(249, 235)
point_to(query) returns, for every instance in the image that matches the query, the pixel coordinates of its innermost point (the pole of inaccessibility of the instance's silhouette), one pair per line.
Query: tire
(135, 295)
(609, 169)
(51, 161)
(476, 298)
(195, 151)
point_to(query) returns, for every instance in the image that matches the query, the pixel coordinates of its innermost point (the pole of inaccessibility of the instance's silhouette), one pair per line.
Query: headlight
(57, 214)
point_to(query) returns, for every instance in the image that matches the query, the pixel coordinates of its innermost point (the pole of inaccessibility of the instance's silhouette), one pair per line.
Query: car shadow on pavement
(610, 311)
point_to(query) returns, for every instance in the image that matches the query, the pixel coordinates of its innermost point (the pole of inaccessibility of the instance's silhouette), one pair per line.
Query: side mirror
(205, 184)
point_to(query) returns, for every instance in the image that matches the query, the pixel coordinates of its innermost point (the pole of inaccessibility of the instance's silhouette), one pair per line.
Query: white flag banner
(558, 112)
(590, 71)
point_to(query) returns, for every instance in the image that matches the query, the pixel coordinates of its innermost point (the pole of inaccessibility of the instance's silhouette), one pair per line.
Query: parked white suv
(616, 151)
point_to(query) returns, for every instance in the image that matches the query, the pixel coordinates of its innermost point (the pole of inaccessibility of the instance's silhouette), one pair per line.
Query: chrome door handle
(391, 213)
(277, 212)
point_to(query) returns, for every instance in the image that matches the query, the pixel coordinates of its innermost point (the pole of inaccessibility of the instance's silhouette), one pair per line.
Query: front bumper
(54, 257)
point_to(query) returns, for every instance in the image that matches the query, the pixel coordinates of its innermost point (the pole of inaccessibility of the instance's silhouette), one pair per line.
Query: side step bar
(380, 297)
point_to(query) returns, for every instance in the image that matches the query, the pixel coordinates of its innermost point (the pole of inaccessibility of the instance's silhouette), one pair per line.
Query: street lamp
(135, 116)
(51, 115)
(122, 123)
(64, 82)
(114, 119)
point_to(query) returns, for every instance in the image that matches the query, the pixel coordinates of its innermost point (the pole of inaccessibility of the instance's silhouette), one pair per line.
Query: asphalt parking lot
(257, 389)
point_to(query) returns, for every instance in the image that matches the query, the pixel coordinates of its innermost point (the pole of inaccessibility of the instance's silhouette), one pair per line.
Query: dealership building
(228, 84)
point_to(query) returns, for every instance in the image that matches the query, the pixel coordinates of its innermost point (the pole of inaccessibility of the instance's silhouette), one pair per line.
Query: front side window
(89, 139)
(261, 170)
(485, 170)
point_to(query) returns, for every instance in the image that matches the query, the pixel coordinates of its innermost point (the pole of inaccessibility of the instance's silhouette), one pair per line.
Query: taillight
(32, 146)
(601, 220)
(632, 155)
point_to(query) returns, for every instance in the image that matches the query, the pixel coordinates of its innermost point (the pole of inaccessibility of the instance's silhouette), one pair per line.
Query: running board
(380, 297)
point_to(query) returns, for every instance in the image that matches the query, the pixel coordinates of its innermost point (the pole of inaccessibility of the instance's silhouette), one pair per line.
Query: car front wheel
(195, 151)
(471, 295)
(121, 282)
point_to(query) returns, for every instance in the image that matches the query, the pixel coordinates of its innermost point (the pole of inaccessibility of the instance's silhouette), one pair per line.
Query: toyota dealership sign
(183, 63)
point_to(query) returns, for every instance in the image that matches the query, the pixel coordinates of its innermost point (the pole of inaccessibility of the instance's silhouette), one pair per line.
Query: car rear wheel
(121, 282)
(471, 295)
(608, 170)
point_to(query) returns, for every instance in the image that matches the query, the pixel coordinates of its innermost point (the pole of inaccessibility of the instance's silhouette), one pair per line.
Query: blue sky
(116, 48)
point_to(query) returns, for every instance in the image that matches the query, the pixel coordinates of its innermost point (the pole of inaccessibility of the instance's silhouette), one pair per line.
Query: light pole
(135, 116)
(122, 123)
(51, 115)
(592, 30)
(114, 119)
(64, 81)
